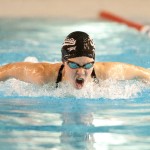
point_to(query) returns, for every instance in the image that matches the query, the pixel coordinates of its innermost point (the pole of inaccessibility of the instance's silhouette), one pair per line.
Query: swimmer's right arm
(25, 71)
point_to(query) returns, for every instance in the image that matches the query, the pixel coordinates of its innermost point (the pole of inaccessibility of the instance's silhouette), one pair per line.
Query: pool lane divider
(116, 18)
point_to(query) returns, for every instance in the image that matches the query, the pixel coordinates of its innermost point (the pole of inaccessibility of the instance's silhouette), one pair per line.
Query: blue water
(112, 116)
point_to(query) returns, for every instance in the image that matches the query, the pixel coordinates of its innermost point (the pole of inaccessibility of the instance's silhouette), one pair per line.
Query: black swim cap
(78, 44)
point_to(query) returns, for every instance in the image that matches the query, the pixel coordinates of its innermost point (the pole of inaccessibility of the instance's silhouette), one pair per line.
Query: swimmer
(78, 66)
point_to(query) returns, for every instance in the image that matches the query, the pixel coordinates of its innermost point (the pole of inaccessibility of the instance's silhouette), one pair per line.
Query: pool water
(111, 116)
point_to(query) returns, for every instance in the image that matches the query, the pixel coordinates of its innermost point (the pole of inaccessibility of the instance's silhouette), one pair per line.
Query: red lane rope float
(113, 17)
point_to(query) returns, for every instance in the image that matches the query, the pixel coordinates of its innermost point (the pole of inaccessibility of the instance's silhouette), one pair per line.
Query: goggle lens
(74, 65)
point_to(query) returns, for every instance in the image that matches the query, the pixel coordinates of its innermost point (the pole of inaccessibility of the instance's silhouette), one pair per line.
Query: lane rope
(116, 18)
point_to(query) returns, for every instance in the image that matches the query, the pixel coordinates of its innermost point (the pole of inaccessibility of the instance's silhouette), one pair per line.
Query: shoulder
(105, 69)
(108, 65)
(105, 65)
(49, 71)
(51, 66)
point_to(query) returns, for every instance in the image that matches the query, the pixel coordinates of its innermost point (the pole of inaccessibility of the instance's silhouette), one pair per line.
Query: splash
(110, 89)
(106, 89)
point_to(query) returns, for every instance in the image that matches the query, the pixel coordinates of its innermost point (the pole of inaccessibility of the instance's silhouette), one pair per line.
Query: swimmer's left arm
(121, 71)
(132, 72)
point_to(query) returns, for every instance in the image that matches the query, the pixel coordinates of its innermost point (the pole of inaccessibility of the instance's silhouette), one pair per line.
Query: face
(78, 71)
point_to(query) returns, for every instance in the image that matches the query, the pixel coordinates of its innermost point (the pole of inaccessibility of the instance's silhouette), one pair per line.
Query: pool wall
(79, 9)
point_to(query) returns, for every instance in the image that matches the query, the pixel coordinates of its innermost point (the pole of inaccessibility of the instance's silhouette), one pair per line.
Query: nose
(80, 71)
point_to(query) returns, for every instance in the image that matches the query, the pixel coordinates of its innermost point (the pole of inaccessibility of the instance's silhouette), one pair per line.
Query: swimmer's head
(78, 44)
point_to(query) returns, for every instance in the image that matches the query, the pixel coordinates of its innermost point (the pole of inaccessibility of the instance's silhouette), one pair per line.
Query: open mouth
(79, 82)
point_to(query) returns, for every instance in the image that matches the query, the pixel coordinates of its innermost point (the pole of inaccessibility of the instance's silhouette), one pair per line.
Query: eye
(88, 66)
(73, 65)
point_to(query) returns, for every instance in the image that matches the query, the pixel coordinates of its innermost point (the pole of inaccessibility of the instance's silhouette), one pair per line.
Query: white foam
(107, 89)
(31, 59)
(35, 60)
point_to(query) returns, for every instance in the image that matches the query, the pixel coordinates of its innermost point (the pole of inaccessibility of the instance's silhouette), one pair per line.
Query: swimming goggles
(74, 65)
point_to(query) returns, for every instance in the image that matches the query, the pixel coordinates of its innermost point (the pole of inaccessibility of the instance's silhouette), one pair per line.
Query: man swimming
(78, 66)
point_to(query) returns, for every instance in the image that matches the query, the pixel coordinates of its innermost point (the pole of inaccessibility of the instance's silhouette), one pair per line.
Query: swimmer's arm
(121, 71)
(131, 72)
(25, 71)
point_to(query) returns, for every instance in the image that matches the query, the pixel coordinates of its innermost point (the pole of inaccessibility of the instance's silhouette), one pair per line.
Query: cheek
(69, 72)
(89, 72)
